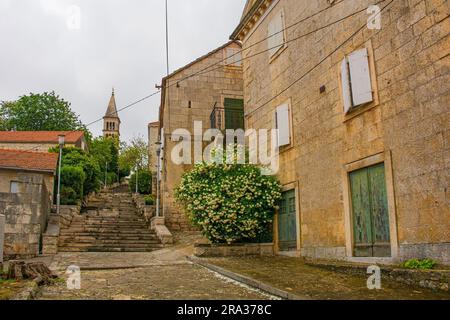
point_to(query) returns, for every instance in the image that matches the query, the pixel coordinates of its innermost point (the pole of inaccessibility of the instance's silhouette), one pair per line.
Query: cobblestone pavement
(174, 282)
(292, 275)
(159, 275)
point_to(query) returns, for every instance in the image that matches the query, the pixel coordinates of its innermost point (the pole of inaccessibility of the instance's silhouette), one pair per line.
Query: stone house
(363, 117)
(212, 97)
(26, 187)
(41, 141)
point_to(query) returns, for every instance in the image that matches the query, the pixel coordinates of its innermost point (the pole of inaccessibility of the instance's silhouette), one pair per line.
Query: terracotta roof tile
(26, 160)
(39, 136)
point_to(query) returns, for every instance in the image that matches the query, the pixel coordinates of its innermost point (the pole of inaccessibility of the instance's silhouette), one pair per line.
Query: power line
(205, 70)
(316, 65)
(292, 40)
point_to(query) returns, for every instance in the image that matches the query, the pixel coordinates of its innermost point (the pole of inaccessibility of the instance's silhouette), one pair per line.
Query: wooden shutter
(234, 114)
(275, 34)
(346, 92)
(283, 125)
(360, 77)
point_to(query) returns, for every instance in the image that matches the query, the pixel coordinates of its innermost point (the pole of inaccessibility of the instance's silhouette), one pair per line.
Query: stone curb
(248, 281)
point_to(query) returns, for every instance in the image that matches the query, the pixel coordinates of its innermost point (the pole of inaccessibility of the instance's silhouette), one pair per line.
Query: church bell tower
(111, 120)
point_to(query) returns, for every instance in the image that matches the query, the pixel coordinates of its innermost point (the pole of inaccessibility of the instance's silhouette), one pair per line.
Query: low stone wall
(26, 216)
(158, 225)
(237, 250)
(430, 279)
(148, 212)
(2, 237)
(51, 237)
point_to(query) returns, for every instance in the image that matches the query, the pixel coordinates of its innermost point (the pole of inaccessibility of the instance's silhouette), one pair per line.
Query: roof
(153, 124)
(40, 136)
(26, 160)
(111, 112)
(201, 58)
(251, 7)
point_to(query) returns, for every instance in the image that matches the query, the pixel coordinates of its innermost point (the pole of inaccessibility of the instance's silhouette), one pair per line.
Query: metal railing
(224, 119)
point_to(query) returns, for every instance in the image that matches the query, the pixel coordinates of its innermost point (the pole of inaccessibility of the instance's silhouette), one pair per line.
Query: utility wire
(205, 70)
(316, 65)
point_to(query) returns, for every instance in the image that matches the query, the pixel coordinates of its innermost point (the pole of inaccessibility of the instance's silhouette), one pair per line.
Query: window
(233, 57)
(14, 187)
(356, 81)
(276, 36)
(283, 124)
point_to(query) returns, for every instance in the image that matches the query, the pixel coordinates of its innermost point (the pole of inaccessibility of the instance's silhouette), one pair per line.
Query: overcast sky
(120, 43)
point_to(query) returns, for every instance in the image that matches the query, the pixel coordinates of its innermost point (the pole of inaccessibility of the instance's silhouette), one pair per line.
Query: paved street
(165, 274)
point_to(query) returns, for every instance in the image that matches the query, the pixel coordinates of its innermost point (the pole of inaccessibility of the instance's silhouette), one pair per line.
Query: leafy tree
(105, 152)
(72, 180)
(134, 155)
(40, 112)
(144, 182)
(78, 158)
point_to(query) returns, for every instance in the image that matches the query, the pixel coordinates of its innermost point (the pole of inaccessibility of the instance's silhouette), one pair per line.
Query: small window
(14, 187)
(276, 38)
(283, 125)
(356, 81)
(190, 104)
(234, 57)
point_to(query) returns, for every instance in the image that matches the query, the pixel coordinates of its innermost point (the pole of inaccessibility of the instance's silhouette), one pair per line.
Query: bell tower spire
(111, 120)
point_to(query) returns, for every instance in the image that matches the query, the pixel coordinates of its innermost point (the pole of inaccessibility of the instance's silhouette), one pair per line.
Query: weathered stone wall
(193, 100)
(410, 121)
(2, 236)
(7, 176)
(37, 147)
(26, 217)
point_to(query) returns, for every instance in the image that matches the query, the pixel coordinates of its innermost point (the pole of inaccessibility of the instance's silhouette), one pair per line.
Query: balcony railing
(227, 118)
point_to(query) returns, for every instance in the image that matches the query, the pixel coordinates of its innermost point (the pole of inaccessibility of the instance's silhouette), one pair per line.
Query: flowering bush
(229, 202)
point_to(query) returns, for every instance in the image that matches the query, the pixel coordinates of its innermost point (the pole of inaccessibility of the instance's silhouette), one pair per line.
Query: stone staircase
(109, 223)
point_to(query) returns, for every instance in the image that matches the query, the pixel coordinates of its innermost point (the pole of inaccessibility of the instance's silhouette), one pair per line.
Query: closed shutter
(346, 92)
(275, 34)
(360, 77)
(283, 125)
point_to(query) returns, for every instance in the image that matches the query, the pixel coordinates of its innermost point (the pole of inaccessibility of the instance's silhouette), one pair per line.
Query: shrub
(72, 178)
(69, 196)
(424, 264)
(111, 178)
(229, 203)
(149, 200)
(144, 182)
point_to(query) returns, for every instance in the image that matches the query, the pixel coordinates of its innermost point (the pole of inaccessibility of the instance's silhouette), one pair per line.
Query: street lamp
(158, 177)
(61, 139)
(106, 175)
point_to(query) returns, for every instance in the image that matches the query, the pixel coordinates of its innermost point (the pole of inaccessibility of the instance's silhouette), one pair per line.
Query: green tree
(105, 151)
(40, 112)
(144, 182)
(134, 155)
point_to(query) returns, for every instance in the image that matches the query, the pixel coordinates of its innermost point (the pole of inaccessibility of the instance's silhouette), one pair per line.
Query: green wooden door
(370, 212)
(287, 222)
(234, 114)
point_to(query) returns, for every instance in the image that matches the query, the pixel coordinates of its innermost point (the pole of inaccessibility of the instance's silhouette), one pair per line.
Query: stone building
(111, 120)
(363, 117)
(40, 141)
(212, 97)
(26, 187)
